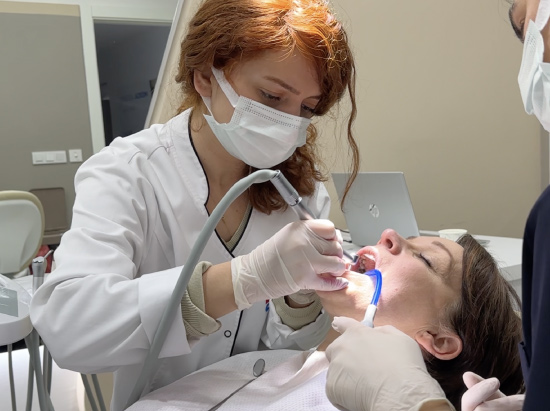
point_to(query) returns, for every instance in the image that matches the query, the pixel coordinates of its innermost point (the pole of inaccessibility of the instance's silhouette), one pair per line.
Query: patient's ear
(444, 345)
(202, 83)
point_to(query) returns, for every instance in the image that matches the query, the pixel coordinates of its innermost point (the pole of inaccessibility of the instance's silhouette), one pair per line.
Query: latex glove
(484, 395)
(308, 296)
(289, 261)
(378, 368)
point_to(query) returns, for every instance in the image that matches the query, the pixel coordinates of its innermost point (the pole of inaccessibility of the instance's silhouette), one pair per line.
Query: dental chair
(22, 228)
(55, 213)
(56, 224)
(21, 231)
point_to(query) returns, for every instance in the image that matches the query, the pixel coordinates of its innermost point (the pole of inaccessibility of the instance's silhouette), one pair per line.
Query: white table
(505, 250)
(67, 389)
(14, 327)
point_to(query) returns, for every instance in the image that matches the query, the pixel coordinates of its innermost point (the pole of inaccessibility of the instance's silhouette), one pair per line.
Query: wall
(108, 10)
(51, 128)
(438, 99)
(43, 103)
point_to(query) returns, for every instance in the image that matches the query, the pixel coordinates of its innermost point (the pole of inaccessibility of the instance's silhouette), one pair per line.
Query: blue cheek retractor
(368, 320)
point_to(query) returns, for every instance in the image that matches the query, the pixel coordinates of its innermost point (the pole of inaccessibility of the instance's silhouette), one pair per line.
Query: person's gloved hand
(484, 395)
(289, 261)
(378, 368)
(308, 296)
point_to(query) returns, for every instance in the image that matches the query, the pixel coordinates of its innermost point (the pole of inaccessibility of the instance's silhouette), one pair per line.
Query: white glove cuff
(434, 404)
(430, 396)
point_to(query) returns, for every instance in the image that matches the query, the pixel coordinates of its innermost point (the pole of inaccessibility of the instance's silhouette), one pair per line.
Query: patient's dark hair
(487, 322)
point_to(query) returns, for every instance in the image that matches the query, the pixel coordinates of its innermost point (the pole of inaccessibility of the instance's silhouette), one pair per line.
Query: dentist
(253, 74)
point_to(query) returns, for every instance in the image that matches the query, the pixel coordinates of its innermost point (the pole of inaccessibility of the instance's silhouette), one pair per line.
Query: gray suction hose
(150, 362)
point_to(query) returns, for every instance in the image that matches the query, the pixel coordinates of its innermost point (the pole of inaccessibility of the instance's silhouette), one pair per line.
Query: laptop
(376, 201)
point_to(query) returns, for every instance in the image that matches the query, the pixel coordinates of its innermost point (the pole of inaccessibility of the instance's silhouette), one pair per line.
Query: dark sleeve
(536, 304)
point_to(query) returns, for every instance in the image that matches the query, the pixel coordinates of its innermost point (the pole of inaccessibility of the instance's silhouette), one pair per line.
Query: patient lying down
(449, 297)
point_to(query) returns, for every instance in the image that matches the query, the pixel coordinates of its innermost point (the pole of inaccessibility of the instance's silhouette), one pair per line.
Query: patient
(449, 297)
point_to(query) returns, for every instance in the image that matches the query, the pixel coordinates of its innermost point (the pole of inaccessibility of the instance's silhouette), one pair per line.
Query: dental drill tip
(350, 256)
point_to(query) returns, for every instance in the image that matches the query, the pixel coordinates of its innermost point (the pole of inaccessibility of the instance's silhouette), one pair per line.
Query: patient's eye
(425, 260)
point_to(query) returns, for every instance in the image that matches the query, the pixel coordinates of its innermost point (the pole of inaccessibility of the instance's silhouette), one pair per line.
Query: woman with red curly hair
(254, 73)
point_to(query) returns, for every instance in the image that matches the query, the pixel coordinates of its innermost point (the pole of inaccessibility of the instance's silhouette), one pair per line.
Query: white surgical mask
(259, 135)
(534, 74)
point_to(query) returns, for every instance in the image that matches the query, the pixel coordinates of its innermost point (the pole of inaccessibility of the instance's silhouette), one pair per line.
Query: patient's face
(421, 276)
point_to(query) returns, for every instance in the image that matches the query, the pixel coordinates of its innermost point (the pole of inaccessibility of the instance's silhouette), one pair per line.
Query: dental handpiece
(294, 200)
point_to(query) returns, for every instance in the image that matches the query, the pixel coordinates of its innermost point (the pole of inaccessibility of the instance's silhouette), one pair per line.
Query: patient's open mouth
(366, 261)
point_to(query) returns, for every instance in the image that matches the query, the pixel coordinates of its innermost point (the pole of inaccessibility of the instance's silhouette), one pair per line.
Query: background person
(529, 20)
(253, 74)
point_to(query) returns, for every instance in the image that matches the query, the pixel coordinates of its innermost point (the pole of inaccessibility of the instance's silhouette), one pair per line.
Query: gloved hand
(484, 395)
(378, 368)
(308, 296)
(289, 261)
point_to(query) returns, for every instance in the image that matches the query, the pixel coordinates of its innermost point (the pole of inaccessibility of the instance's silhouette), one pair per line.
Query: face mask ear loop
(208, 103)
(231, 95)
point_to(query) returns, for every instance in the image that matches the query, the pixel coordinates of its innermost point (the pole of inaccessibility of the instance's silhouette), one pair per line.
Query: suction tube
(291, 197)
(151, 361)
(368, 320)
(378, 286)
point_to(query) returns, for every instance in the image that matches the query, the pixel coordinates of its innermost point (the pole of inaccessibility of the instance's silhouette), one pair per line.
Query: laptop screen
(376, 201)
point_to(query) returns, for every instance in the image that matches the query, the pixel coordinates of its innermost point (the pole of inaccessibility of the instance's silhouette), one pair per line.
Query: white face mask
(259, 135)
(534, 74)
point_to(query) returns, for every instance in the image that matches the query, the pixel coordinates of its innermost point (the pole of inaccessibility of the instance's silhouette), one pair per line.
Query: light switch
(38, 157)
(61, 156)
(75, 155)
(49, 157)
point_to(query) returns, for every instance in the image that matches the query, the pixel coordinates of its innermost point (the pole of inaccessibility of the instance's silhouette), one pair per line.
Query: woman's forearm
(219, 297)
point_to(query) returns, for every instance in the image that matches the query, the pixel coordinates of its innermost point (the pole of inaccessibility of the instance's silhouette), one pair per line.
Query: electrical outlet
(75, 155)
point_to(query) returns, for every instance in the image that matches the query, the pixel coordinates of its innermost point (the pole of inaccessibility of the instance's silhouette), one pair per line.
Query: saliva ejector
(368, 320)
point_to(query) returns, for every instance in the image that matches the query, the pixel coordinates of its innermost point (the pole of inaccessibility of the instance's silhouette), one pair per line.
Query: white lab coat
(139, 208)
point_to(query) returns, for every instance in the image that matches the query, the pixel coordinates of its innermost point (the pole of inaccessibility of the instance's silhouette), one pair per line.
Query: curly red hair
(226, 32)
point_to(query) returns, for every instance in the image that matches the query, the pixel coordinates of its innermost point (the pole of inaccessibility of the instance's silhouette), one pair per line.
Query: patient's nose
(391, 240)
